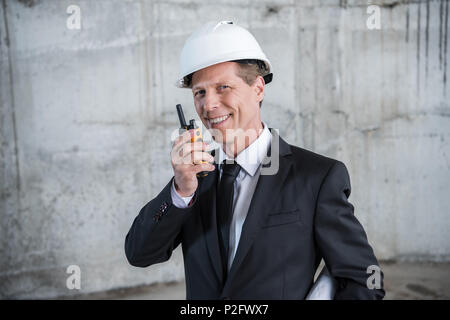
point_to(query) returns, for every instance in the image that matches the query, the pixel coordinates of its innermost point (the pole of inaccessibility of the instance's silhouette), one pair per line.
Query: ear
(258, 86)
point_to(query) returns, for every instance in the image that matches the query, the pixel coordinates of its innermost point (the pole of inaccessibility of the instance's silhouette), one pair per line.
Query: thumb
(204, 167)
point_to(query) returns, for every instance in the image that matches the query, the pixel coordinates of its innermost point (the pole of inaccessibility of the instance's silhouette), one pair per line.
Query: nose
(211, 101)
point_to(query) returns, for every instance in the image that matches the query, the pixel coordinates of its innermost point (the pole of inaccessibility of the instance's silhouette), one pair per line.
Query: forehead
(225, 71)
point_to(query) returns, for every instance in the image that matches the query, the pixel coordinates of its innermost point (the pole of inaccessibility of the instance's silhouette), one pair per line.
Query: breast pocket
(282, 218)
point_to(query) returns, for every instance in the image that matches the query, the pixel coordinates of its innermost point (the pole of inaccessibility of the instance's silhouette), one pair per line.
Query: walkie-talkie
(197, 133)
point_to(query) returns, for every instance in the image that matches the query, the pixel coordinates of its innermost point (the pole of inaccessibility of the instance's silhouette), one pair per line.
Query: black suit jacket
(296, 217)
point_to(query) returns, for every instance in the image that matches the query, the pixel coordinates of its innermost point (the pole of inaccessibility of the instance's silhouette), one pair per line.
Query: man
(247, 233)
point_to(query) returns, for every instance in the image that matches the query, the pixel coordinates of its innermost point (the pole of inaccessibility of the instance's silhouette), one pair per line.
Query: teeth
(220, 119)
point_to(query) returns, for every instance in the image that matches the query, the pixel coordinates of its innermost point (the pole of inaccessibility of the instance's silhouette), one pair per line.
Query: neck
(242, 141)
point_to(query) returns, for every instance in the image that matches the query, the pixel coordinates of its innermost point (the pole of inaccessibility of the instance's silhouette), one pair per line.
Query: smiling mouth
(218, 120)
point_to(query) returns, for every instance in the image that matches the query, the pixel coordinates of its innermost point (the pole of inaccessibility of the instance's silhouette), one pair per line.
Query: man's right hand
(186, 158)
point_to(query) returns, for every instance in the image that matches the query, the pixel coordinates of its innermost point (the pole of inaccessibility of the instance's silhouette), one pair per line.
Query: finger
(183, 138)
(197, 157)
(180, 141)
(204, 167)
(188, 148)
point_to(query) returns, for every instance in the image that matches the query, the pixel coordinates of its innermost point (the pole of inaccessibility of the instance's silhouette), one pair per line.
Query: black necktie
(224, 208)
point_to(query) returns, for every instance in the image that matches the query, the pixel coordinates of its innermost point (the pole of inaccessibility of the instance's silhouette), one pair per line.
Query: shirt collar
(251, 157)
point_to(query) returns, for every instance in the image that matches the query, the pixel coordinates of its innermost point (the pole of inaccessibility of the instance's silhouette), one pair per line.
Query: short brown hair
(248, 70)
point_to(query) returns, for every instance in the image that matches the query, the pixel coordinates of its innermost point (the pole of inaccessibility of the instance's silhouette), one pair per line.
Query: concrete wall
(86, 117)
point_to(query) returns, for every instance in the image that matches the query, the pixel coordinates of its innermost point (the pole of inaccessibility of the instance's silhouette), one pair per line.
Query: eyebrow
(214, 84)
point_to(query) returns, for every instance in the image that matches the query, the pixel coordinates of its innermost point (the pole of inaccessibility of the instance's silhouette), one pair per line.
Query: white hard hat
(214, 43)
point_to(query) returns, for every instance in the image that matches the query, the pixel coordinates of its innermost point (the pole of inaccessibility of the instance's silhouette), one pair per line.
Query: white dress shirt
(250, 160)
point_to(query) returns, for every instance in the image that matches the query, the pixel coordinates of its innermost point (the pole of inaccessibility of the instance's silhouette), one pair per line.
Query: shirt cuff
(177, 200)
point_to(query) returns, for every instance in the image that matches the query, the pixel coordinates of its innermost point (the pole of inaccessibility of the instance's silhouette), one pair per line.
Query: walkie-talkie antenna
(181, 116)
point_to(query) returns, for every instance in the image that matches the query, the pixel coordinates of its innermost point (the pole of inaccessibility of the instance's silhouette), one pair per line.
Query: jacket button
(342, 284)
(163, 207)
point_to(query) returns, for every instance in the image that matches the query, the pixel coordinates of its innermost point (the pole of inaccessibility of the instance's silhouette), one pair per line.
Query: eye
(224, 86)
(200, 92)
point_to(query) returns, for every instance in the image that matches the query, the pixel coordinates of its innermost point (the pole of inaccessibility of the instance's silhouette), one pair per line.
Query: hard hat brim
(267, 78)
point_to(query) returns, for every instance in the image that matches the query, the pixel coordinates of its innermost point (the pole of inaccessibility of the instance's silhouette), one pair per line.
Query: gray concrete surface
(86, 117)
(403, 281)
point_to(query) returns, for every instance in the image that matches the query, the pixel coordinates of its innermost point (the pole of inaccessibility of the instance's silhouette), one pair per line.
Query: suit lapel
(207, 197)
(268, 187)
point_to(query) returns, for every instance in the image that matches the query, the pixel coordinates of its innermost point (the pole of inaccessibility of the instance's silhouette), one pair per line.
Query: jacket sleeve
(342, 240)
(156, 231)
